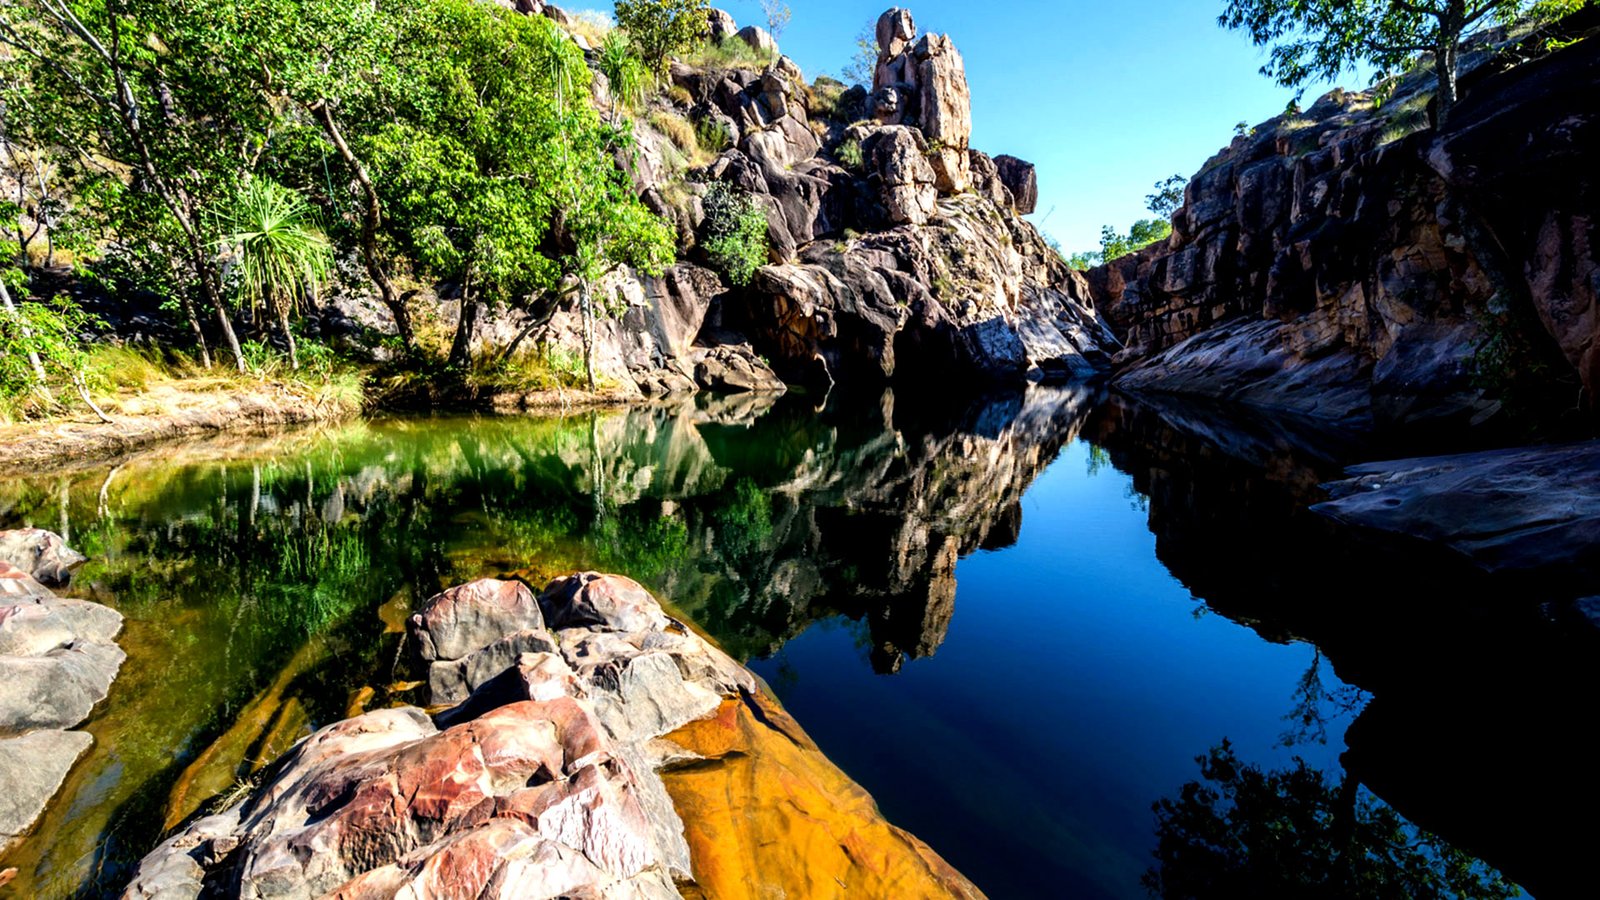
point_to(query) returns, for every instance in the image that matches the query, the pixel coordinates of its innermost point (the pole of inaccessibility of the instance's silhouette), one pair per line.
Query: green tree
(1318, 39)
(338, 63)
(139, 87)
(626, 75)
(1168, 196)
(661, 28)
(282, 258)
(777, 14)
(734, 233)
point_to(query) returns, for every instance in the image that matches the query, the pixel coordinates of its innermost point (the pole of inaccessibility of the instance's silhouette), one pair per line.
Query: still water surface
(1017, 621)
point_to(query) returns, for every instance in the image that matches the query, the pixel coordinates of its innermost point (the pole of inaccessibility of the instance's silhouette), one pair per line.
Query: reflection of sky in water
(1078, 682)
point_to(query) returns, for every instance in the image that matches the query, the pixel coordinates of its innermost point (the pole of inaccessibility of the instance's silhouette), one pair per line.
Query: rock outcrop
(58, 658)
(895, 249)
(1350, 263)
(1526, 512)
(544, 782)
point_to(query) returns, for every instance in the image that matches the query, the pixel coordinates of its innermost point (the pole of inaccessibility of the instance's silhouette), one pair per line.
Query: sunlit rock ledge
(600, 748)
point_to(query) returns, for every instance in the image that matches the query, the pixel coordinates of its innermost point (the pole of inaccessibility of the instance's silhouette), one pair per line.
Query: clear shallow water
(1016, 621)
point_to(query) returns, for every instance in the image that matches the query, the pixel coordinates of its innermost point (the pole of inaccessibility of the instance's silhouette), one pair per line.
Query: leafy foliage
(1244, 832)
(1316, 40)
(1168, 196)
(661, 28)
(734, 233)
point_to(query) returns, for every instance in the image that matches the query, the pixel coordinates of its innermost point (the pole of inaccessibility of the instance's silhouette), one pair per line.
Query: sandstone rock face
(1382, 260)
(898, 157)
(542, 784)
(58, 658)
(835, 830)
(1021, 180)
(922, 82)
(895, 249)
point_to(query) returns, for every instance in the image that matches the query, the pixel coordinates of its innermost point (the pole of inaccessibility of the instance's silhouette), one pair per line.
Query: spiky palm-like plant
(282, 258)
(625, 73)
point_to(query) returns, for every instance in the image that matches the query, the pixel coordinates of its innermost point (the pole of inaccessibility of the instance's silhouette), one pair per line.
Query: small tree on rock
(660, 28)
(1318, 39)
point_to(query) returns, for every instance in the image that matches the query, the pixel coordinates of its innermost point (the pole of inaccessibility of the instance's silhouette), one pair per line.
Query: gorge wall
(1351, 264)
(895, 249)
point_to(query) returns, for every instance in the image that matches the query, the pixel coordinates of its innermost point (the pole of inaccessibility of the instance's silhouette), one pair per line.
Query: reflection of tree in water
(1241, 831)
(1315, 706)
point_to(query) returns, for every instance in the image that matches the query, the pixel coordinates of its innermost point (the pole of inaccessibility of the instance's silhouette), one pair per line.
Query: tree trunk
(371, 220)
(83, 392)
(466, 324)
(33, 355)
(214, 297)
(588, 335)
(194, 326)
(288, 335)
(1444, 65)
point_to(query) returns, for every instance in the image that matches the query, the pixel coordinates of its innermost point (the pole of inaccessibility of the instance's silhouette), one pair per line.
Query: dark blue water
(1077, 683)
(1019, 621)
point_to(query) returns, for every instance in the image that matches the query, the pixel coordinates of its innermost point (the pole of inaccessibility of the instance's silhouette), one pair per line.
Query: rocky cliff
(1354, 264)
(894, 248)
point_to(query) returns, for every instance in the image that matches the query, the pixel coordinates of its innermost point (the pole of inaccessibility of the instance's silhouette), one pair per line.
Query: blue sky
(1106, 98)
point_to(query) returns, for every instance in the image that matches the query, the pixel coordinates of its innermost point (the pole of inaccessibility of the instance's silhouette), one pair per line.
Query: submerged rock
(542, 783)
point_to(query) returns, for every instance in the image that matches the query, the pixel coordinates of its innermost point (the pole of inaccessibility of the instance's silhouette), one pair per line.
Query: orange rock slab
(767, 815)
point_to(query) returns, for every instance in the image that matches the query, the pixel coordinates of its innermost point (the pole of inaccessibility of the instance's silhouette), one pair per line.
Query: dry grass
(681, 134)
(731, 53)
(591, 24)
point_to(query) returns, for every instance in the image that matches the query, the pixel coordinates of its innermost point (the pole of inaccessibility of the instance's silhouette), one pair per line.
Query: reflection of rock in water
(873, 518)
(1477, 728)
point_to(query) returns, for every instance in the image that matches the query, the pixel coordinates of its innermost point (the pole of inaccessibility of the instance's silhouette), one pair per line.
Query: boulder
(33, 767)
(734, 368)
(606, 602)
(895, 31)
(1021, 181)
(720, 25)
(560, 16)
(41, 554)
(58, 659)
(758, 39)
(986, 180)
(945, 113)
(540, 781)
(457, 622)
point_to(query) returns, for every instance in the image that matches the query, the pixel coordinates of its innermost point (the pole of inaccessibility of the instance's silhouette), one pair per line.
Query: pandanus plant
(282, 259)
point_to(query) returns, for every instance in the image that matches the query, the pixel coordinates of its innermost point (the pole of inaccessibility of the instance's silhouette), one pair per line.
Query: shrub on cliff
(661, 28)
(734, 234)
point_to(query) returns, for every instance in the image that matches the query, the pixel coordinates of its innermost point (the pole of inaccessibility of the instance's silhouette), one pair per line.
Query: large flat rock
(1532, 511)
(32, 768)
